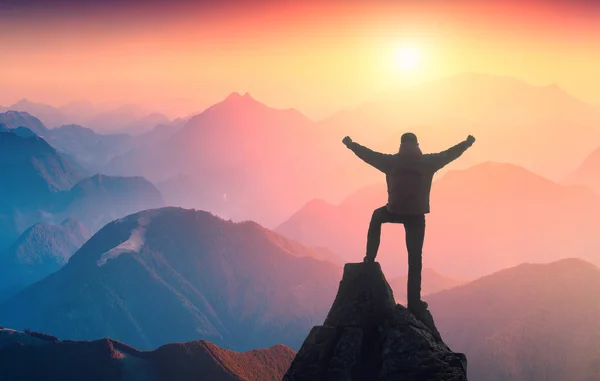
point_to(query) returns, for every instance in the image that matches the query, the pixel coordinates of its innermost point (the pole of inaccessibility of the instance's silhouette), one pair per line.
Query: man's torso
(409, 181)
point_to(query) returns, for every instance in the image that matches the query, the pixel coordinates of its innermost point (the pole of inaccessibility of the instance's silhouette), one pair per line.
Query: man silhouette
(408, 174)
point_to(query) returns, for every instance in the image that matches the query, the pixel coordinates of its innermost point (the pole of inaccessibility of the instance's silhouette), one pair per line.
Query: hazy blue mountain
(91, 149)
(41, 185)
(39, 251)
(13, 119)
(23, 132)
(172, 274)
(131, 119)
(36, 172)
(99, 199)
(49, 115)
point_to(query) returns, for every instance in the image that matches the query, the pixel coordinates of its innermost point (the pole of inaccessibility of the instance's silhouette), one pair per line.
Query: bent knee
(378, 214)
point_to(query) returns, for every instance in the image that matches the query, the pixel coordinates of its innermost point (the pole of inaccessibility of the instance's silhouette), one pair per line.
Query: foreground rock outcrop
(367, 337)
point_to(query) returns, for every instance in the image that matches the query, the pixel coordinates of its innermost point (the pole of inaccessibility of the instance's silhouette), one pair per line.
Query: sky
(315, 56)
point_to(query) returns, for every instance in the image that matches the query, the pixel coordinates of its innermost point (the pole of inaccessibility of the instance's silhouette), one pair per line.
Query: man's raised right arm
(445, 157)
(376, 159)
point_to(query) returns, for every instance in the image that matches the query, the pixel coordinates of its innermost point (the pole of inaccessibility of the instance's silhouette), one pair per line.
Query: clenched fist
(347, 140)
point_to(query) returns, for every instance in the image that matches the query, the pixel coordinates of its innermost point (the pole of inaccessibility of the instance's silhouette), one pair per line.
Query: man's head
(409, 139)
(409, 145)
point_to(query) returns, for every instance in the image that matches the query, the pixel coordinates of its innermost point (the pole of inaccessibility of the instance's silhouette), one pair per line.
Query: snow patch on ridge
(133, 245)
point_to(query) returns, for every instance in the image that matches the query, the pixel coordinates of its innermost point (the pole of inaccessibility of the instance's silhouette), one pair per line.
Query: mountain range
(110, 360)
(246, 149)
(91, 149)
(134, 119)
(13, 119)
(485, 218)
(528, 322)
(514, 122)
(171, 274)
(36, 176)
(528, 191)
(84, 147)
(35, 167)
(40, 185)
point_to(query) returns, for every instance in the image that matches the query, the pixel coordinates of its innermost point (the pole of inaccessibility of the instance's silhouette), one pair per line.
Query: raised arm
(444, 158)
(376, 159)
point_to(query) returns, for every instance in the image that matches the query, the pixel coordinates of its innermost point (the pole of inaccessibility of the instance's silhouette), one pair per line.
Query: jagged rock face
(367, 337)
(364, 298)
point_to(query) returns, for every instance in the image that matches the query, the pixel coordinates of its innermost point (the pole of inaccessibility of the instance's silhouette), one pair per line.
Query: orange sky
(313, 56)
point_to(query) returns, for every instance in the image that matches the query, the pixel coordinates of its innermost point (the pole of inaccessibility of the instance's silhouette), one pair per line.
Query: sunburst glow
(407, 57)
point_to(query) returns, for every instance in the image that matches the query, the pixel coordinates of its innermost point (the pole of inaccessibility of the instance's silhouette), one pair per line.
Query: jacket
(408, 176)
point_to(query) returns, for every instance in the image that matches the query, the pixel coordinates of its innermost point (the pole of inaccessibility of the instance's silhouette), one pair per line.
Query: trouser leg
(415, 235)
(379, 217)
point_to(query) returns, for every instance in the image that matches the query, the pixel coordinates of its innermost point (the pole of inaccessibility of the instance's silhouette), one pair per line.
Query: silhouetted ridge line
(110, 360)
(367, 337)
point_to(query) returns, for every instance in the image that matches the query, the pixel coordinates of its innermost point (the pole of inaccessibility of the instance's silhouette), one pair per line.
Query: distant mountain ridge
(171, 274)
(40, 185)
(110, 360)
(513, 121)
(475, 96)
(533, 321)
(431, 282)
(587, 173)
(13, 119)
(91, 149)
(100, 199)
(36, 173)
(125, 118)
(499, 209)
(246, 148)
(39, 251)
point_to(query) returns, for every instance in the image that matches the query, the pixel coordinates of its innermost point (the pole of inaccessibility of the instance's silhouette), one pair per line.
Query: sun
(407, 57)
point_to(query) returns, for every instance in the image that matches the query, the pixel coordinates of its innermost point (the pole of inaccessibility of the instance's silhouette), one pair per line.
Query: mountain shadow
(367, 336)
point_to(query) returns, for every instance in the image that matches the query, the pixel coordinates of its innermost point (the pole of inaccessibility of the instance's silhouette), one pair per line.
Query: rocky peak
(367, 337)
